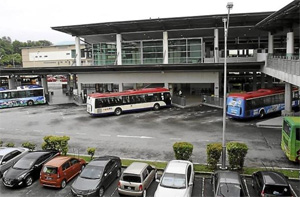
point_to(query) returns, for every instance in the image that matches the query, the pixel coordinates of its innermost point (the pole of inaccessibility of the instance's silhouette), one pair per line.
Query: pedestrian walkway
(271, 123)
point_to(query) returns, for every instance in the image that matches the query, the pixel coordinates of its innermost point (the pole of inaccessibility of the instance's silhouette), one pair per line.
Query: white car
(177, 180)
(9, 156)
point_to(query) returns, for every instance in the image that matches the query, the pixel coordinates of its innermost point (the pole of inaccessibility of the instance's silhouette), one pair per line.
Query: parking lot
(202, 187)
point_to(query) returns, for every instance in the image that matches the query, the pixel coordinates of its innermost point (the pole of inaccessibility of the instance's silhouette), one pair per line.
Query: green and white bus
(290, 140)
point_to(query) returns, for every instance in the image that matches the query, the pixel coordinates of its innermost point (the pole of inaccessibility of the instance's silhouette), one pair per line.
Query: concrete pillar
(262, 82)
(216, 45)
(121, 87)
(68, 83)
(45, 84)
(166, 85)
(119, 49)
(270, 44)
(74, 81)
(142, 52)
(288, 99)
(290, 44)
(12, 82)
(165, 48)
(78, 51)
(254, 81)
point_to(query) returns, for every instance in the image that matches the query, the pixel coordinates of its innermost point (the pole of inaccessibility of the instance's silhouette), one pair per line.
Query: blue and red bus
(258, 103)
(129, 100)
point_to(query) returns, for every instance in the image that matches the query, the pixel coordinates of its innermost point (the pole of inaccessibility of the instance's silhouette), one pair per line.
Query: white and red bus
(129, 100)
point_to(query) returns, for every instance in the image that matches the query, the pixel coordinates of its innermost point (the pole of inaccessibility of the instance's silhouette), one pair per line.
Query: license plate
(129, 188)
(48, 178)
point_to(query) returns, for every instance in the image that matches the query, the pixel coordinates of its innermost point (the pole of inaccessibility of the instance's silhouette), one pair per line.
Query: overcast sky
(32, 19)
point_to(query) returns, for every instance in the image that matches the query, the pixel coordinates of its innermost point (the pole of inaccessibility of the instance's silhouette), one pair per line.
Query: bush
(10, 144)
(29, 145)
(183, 150)
(59, 143)
(1, 143)
(236, 154)
(213, 151)
(91, 151)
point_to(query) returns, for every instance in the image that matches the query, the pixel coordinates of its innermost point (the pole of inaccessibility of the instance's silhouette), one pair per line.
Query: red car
(60, 170)
(51, 79)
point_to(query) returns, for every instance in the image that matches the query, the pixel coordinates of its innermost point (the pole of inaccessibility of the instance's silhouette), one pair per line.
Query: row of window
(287, 129)
(124, 100)
(21, 94)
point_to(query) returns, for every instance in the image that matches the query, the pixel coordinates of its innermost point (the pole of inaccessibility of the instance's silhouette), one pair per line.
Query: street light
(226, 25)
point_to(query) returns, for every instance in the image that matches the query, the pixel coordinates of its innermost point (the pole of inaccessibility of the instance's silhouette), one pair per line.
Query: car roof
(6, 150)
(229, 177)
(274, 178)
(58, 161)
(177, 166)
(102, 161)
(135, 168)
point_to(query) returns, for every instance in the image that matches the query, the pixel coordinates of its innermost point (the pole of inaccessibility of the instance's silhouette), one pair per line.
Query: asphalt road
(202, 187)
(145, 135)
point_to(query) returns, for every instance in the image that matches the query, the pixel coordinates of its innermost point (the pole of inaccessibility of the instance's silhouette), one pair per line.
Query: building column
(165, 48)
(68, 83)
(290, 44)
(254, 81)
(11, 82)
(262, 80)
(45, 84)
(119, 49)
(216, 45)
(78, 51)
(216, 89)
(270, 44)
(288, 99)
(120, 87)
(142, 52)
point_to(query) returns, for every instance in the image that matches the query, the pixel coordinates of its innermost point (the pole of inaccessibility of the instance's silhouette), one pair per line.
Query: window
(132, 178)
(65, 165)
(74, 161)
(145, 174)
(15, 153)
(7, 157)
(297, 134)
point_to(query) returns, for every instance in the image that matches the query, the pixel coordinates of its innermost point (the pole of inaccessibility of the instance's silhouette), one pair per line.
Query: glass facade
(149, 52)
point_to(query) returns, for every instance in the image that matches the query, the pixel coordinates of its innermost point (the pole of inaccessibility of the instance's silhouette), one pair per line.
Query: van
(60, 170)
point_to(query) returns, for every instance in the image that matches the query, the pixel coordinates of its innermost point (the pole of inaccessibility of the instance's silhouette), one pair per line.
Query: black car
(228, 183)
(271, 183)
(27, 169)
(97, 176)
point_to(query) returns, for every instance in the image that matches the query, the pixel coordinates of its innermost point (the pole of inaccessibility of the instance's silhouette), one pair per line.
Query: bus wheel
(30, 103)
(262, 113)
(156, 106)
(118, 111)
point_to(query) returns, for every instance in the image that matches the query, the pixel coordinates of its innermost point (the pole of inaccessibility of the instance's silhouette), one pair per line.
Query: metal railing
(217, 101)
(290, 65)
(179, 100)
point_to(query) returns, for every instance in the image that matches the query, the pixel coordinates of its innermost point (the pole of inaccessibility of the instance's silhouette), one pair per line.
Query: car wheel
(30, 103)
(118, 173)
(118, 111)
(63, 184)
(101, 192)
(262, 113)
(28, 181)
(156, 106)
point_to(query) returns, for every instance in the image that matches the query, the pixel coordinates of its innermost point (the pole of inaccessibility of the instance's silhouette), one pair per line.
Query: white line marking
(61, 132)
(175, 138)
(209, 111)
(113, 192)
(203, 180)
(81, 133)
(246, 187)
(37, 131)
(210, 121)
(132, 136)
(28, 192)
(215, 110)
(293, 190)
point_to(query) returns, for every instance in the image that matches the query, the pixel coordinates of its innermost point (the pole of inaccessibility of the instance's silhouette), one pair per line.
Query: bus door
(167, 98)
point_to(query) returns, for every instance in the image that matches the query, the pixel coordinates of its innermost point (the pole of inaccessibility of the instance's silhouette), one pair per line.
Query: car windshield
(173, 180)
(132, 178)
(24, 163)
(229, 189)
(49, 170)
(277, 190)
(92, 172)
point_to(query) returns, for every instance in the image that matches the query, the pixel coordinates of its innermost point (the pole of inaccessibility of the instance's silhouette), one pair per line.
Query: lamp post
(226, 25)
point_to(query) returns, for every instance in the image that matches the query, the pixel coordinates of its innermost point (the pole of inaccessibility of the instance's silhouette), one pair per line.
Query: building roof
(287, 17)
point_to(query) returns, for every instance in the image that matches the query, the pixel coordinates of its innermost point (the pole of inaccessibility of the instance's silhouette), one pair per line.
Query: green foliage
(213, 151)
(91, 151)
(1, 143)
(10, 144)
(59, 143)
(236, 154)
(30, 146)
(183, 150)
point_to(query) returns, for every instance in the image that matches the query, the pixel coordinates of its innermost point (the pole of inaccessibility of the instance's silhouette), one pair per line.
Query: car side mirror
(157, 177)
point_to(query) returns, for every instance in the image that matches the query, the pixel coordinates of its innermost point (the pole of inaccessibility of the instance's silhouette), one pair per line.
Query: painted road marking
(115, 191)
(81, 133)
(61, 132)
(203, 180)
(132, 136)
(175, 138)
(37, 131)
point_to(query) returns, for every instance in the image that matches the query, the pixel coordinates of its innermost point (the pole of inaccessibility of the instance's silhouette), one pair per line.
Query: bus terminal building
(186, 53)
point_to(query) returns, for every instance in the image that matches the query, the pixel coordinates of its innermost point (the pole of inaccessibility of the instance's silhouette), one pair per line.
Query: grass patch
(200, 167)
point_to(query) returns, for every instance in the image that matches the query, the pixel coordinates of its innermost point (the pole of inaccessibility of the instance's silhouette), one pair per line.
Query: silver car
(136, 178)
(9, 156)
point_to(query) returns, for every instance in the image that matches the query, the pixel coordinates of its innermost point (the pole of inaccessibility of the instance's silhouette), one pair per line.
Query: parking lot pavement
(202, 188)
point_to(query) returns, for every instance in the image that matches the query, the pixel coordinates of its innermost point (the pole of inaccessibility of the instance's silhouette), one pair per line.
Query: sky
(32, 19)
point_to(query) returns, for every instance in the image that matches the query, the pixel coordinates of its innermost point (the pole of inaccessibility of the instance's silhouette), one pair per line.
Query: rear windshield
(50, 170)
(132, 178)
(277, 190)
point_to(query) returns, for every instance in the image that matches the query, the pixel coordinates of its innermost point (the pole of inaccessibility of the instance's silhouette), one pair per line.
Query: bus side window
(1, 95)
(6, 95)
(297, 134)
(125, 99)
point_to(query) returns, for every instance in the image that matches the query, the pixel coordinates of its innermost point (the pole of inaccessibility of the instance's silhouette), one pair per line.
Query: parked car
(271, 183)
(177, 180)
(136, 178)
(97, 176)
(9, 156)
(51, 79)
(27, 169)
(60, 170)
(228, 183)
